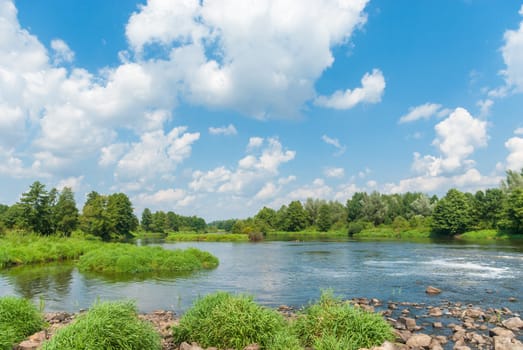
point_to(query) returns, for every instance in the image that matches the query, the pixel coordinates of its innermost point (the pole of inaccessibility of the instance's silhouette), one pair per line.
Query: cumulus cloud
(62, 52)
(518, 131)
(515, 157)
(513, 57)
(457, 137)
(261, 58)
(371, 91)
(13, 166)
(336, 143)
(73, 182)
(224, 130)
(334, 172)
(424, 111)
(484, 107)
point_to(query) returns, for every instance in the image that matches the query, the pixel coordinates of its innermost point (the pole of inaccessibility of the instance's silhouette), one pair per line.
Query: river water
(294, 273)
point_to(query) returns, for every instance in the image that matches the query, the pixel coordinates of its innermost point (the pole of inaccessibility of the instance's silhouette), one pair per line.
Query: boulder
(513, 323)
(435, 312)
(504, 343)
(419, 341)
(432, 290)
(407, 323)
(437, 325)
(28, 345)
(501, 332)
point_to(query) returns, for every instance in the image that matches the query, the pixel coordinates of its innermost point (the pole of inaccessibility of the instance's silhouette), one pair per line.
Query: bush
(255, 236)
(126, 258)
(355, 227)
(109, 326)
(19, 318)
(228, 321)
(333, 324)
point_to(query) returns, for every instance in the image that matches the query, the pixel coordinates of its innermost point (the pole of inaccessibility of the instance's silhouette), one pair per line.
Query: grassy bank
(306, 235)
(489, 235)
(391, 233)
(19, 318)
(206, 237)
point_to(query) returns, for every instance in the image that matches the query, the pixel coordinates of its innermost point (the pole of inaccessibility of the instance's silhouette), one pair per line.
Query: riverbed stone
(432, 290)
(419, 340)
(501, 332)
(435, 312)
(505, 343)
(437, 325)
(513, 323)
(406, 323)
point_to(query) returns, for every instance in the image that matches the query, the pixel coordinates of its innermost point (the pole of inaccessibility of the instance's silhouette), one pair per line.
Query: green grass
(23, 249)
(125, 258)
(19, 318)
(391, 233)
(227, 321)
(108, 326)
(488, 235)
(206, 237)
(307, 235)
(333, 324)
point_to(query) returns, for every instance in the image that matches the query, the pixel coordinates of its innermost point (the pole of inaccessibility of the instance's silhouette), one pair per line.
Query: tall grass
(19, 318)
(23, 249)
(227, 321)
(334, 324)
(206, 237)
(126, 258)
(108, 326)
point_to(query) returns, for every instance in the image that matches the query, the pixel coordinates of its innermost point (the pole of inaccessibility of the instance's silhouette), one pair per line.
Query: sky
(217, 108)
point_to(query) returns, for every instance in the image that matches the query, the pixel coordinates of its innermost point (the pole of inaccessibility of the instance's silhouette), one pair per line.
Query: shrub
(126, 258)
(19, 318)
(333, 324)
(255, 236)
(228, 321)
(355, 227)
(109, 326)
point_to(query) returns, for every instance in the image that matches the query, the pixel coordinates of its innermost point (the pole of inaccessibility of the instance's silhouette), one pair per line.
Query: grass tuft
(108, 326)
(19, 318)
(334, 324)
(227, 321)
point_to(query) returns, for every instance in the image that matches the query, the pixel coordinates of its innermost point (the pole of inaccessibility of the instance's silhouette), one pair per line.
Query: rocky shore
(447, 325)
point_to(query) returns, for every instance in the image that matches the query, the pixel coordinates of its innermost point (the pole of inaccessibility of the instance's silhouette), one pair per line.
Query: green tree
(374, 208)
(515, 210)
(355, 206)
(422, 206)
(295, 218)
(65, 213)
(173, 221)
(267, 216)
(324, 221)
(453, 213)
(159, 222)
(513, 181)
(147, 220)
(36, 205)
(120, 215)
(93, 219)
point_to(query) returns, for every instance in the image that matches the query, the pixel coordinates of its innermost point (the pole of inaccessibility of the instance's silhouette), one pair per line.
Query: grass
(226, 321)
(206, 237)
(125, 258)
(109, 326)
(391, 233)
(24, 249)
(307, 235)
(488, 235)
(19, 318)
(333, 324)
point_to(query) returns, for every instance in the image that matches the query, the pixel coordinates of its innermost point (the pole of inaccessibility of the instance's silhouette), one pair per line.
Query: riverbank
(443, 325)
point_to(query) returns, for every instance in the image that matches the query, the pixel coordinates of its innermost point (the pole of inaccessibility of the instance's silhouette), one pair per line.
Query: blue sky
(219, 107)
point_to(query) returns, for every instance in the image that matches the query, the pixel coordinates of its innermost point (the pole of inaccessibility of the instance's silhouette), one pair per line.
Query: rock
(402, 336)
(432, 290)
(407, 323)
(504, 343)
(512, 299)
(405, 311)
(513, 323)
(435, 345)
(419, 341)
(437, 325)
(284, 308)
(252, 347)
(441, 339)
(435, 312)
(501, 332)
(28, 345)
(473, 313)
(385, 346)
(187, 346)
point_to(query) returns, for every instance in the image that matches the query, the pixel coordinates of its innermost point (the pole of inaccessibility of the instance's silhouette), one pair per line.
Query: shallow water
(294, 273)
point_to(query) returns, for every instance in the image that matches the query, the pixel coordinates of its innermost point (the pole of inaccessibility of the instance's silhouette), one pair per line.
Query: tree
(147, 219)
(515, 210)
(65, 213)
(355, 206)
(295, 218)
(453, 213)
(267, 216)
(120, 215)
(422, 206)
(93, 219)
(513, 181)
(374, 208)
(36, 206)
(173, 221)
(159, 222)
(324, 221)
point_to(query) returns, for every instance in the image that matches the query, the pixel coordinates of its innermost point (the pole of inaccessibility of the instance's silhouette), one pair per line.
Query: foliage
(206, 237)
(126, 258)
(36, 209)
(227, 321)
(65, 213)
(147, 220)
(334, 324)
(19, 318)
(108, 325)
(453, 213)
(324, 218)
(515, 210)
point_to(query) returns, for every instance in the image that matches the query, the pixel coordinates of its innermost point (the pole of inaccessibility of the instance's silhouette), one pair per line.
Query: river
(294, 273)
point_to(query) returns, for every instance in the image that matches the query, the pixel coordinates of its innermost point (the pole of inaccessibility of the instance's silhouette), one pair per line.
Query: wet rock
(512, 299)
(432, 290)
(441, 339)
(435, 345)
(473, 313)
(513, 323)
(437, 325)
(406, 323)
(402, 335)
(501, 332)
(504, 343)
(419, 341)
(435, 312)
(284, 308)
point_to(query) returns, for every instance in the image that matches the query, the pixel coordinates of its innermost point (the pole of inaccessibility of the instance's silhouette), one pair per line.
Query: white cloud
(172, 198)
(12, 124)
(424, 111)
(371, 91)
(62, 52)
(457, 137)
(513, 56)
(212, 52)
(518, 131)
(157, 154)
(334, 172)
(73, 182)
(224, 130)
(112, 153)
(318, 189)
(255, 142)
(484, 107)
(13, 166)
(515, 157)
(269, 190)
(334, 142)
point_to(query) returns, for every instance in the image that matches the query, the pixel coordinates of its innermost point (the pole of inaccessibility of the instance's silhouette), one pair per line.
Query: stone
(185, 346)
(252, 347)
(513, 323)
(403, 335)
(432, 290)
(409, 323)
(435, 345)
(28, 345)
(473, 313)
(435, 312)
(501, 332)
(419, 341)
(512, 299)
(504, 343)
(437, 325)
